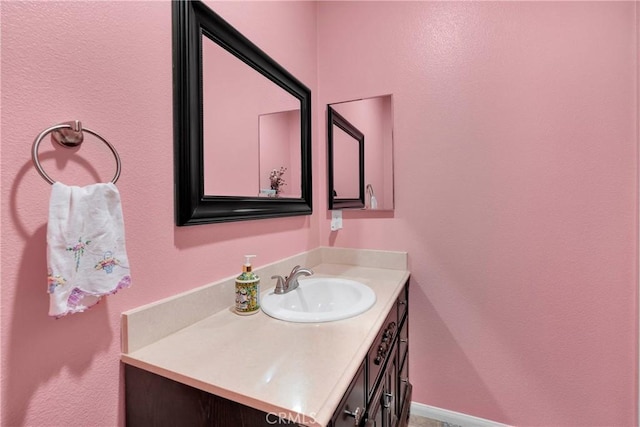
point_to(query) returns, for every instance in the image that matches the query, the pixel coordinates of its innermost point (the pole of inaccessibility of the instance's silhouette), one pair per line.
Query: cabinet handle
(357, 415)
(388, 398)
(405, 380)
(404, 340)
(383, 348)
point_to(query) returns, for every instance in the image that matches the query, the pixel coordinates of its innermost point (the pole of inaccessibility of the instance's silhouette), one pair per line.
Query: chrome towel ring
(69, 135)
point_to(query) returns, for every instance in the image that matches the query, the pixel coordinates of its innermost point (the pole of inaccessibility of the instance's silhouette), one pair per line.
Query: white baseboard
(457, 418)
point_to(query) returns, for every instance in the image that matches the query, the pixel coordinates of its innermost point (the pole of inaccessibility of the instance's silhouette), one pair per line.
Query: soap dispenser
(247, 289)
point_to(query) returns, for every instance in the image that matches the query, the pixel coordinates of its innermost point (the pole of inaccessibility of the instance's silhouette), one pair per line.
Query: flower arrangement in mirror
(277, 181)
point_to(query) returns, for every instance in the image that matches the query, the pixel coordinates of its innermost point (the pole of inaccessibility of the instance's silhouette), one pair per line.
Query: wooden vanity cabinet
(378, 396)
(404, 387)
(387, 388)
(153, 400)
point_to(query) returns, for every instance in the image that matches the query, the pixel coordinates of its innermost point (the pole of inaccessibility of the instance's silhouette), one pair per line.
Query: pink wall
(109, 64)
(516, 187)
(516, 150)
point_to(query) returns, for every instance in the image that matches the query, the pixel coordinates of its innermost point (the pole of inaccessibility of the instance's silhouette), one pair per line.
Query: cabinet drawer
(381, 348)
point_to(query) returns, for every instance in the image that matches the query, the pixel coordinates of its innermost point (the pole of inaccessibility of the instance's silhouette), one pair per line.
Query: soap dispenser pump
(247, 289)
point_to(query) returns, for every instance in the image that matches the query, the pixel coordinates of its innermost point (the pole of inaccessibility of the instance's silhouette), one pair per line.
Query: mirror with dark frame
(373, 117)
(242, 125)
(345, 144)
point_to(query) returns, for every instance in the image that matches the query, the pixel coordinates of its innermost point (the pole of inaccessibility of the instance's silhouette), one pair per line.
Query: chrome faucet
(289, 283)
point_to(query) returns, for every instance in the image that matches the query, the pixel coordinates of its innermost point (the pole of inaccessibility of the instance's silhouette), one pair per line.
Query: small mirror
(346, 163)
(242, 125)
(373, 119)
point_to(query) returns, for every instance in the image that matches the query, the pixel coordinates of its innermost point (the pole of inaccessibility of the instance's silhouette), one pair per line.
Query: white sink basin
(320, 299)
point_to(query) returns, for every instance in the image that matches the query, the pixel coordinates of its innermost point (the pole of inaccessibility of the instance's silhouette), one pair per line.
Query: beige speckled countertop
(300, 370)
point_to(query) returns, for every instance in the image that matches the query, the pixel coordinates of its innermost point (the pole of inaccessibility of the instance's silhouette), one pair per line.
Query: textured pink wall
(516, 191)
(516, 149)
(109, 65)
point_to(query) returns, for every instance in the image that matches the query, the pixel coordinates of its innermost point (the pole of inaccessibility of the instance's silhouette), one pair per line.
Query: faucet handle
(279, 284)
(296, 268)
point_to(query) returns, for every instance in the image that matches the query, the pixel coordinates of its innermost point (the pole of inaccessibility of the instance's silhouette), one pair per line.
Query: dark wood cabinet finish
(381, 349)
(153, 400)
(352, 408)
(387, 388)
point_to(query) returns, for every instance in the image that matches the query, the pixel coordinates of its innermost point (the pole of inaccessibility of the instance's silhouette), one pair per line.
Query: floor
(417, 421)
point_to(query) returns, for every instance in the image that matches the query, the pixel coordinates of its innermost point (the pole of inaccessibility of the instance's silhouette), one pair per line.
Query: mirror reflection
(345, 151)
(251, 127)
(374, 118)
(346, 158)
(225, 89)
(279, 165)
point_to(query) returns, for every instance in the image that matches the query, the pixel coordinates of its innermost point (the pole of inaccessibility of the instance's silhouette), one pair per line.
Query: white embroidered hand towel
(86, 252)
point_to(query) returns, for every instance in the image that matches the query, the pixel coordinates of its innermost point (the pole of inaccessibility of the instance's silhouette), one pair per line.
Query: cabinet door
(351, 411)
(383, 406)
(390, 395)
(376, 408)
(403, 339)
(403, 385)
(403, 366)
(155, 400)
(152, 400)
(404, 394)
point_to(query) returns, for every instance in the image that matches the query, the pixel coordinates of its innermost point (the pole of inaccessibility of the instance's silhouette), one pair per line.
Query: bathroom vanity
(380, 393)
(212, 367)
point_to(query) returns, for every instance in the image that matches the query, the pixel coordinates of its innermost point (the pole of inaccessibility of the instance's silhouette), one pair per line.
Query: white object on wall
(336, 220)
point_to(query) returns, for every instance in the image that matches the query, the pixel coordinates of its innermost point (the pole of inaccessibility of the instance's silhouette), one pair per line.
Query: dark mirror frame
(334, 118)
(193, 20)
